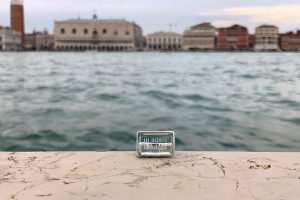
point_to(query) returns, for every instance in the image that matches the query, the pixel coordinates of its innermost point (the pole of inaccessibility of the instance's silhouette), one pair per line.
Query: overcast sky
(156, 15)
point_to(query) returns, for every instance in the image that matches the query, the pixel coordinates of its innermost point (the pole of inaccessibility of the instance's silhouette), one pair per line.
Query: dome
(16, 2)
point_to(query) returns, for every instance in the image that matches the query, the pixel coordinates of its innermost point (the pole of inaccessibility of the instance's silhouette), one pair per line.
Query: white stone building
(266, 38)
(44, 41)
(164, 41)
(200, 37)
(39, 41)
(95, 34)
(30, 41)
(10, 40)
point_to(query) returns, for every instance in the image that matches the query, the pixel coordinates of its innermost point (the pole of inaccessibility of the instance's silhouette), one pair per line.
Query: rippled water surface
(98, 101)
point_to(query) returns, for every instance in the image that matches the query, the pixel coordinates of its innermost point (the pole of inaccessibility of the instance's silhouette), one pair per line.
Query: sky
(161, 15)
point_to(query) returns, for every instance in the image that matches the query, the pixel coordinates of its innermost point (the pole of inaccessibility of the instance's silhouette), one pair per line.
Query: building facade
(17, 18)
(39, 41)
(251, 41)
(164, 41)
(233, 38)
(44, 41)
(10, 40)
(290, 41)
(30, 41)
(200, 37)
(95, 34)
(266, 38)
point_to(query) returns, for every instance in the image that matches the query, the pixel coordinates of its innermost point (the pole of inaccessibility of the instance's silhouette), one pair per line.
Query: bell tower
(17, 17)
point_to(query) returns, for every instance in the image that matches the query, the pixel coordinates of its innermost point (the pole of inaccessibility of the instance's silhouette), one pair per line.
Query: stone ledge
(121, 175)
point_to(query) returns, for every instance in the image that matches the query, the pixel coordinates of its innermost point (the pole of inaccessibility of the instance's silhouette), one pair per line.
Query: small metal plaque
(155, 143)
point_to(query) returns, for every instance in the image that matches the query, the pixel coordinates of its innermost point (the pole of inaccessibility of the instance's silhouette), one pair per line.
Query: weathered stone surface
(121, 175)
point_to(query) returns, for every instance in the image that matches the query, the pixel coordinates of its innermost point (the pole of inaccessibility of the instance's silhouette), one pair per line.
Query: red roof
(202, 25)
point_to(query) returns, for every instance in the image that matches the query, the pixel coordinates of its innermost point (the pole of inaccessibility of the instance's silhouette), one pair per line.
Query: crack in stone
(251, 193)
(175, 186)
(12, 158)
(86, 186)
(164, 164)
(237, 185)
(44, 195)
(89, 163)
(218, 164)
(287, 168)
(137, 181)
(61, 158)
(282, 177)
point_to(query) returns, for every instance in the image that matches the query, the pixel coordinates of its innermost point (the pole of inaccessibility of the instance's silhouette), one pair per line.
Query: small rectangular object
(155, 143)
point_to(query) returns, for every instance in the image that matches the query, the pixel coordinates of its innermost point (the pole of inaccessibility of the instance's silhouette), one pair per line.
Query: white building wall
(10, 40)
(164, 41)
(199, 39)
(266, 38)
(97, 35)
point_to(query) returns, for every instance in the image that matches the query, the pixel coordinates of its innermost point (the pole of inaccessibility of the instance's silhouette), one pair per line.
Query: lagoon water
(98, 101)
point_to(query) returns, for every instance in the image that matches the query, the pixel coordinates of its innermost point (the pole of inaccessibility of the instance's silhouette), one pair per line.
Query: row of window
(266, 42)
(200, 43)
(266, 38)
(199, 36)
(102, 48)
(294, 39)
(268, 35)
(199, 40)
(164, 40)
(96, 41)
(95, 32)
(164, 47)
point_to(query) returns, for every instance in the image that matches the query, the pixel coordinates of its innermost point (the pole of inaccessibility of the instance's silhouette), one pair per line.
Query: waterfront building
(251, 41)
(266, 38)
(44, 41)
(233, 38)
(290, 41)
(30, 41)
(95, 34)
(17, 18)
(164, 41)
(9, 40)
(39, 41)
(200, 37)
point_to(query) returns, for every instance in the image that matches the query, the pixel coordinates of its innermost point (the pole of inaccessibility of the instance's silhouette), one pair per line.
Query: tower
(17, 17)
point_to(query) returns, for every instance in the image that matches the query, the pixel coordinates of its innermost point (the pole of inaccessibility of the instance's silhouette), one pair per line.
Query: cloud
(224, 23)
(284, 14)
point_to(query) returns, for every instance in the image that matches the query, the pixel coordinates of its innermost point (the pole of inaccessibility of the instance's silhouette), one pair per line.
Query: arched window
(74, 30)
(62, 31)
(116, 33)
(86, 31)
(95, 32)
(127, 33)
(104, 31)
